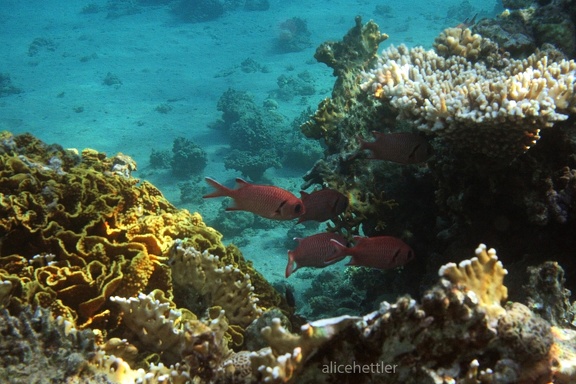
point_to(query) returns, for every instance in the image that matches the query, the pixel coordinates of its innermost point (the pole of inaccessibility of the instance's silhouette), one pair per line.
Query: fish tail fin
(220, 189)
(340, 252)
(290, 267)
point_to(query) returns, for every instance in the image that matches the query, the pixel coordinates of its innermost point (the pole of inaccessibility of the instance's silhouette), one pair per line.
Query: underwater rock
(294, 36)
(6, 86)
(547, 296)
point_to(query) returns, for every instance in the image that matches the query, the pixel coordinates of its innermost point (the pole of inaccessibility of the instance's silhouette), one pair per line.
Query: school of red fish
(323, 249)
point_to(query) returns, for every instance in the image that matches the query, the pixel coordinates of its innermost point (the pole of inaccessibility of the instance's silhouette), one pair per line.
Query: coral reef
(95, 256)
(289, 86)
(160, 159)
(99, 259)
(91, 232)
(483, 275)
(252, 165)
(176, 335)
(347, 58)
(475, 108)
(527, 25)
(39, 44)
(546, 295)
(188, 158)
(249, 128)
(502, 132)
(38, 348)
(352, 291)
(193, 272)
(445, 338)
(112, 80)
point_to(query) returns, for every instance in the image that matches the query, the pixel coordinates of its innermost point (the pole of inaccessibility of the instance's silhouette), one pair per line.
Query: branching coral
(498, 113)
(483, 275)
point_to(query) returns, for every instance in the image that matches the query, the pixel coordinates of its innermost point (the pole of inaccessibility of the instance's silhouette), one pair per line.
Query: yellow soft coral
(483, 275)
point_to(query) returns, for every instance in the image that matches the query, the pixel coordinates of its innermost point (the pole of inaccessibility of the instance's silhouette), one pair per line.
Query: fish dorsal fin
(242, 183)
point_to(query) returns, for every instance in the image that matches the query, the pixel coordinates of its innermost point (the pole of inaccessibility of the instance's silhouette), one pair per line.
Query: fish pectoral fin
(396, 256)
(278, 210)
(412, 154)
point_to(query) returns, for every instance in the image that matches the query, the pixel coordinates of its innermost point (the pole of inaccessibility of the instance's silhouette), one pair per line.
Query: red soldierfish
(322, 205)
(399, 147)
(263, 200)
(313, 251)
(382, 252)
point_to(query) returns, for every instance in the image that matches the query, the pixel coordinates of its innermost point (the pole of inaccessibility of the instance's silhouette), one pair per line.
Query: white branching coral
(495, 111)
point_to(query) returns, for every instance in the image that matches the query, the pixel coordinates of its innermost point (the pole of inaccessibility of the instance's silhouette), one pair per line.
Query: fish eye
(298, 208)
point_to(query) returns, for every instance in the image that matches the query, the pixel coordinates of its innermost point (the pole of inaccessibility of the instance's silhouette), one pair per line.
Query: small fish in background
(322, 205)
(399, 147)
(312, 251)
(382, 252)
(263, 200)
(467, 23)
